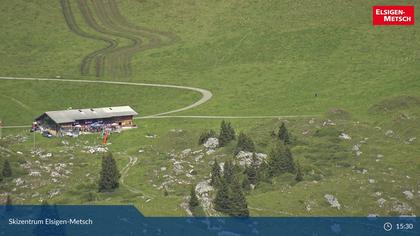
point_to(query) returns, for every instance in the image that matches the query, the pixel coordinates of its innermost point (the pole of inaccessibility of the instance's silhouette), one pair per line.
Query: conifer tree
(245, 143)
(228, 172)
(7, 170)
(281, 161)
(193, 203)
(299, 174)
(246, 185)
(215, 174)
(238, 204)
(222, 200)
(263, 173)
(284, 134)
(288, 162)
(251, 171)
(109, 175)
(8, 203)
(227, 133)
(206, 135)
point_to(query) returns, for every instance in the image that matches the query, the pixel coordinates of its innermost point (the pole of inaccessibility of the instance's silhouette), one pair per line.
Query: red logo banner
(393, 15)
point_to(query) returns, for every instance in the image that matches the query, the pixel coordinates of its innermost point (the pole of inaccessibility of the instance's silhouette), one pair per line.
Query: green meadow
(320, 59)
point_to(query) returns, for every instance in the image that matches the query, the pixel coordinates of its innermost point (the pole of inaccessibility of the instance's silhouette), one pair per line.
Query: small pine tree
(281, 161)
(215, 174)
(238, 204)
(7, 170)
(206, 135)
(252, 171)
(227, 133)
(8, 203)
(284, 134)
(231, 131)
(288, 162)
(273, 134)
(263, 173)
(246, 185)
(109, 175)
(165, 192)
(245, 143)
(222, 200)
(299, 174)
(228, 172)
(193, 203)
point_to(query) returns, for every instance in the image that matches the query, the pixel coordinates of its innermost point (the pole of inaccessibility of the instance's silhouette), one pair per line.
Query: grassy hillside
(278, 54)
(258, 58)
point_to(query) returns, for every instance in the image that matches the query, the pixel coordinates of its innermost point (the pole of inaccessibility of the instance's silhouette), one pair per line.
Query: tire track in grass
(104, 17)
(87, 61)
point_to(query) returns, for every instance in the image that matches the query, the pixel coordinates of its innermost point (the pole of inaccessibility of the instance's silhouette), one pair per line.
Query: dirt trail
(124, 173)
(104, 17)
(206, 95)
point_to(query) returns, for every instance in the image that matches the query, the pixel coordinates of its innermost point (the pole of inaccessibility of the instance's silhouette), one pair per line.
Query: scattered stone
(208, 152)
(151, 136)
(356, 147)
(328, 123)
(20, 153)
(333, 201)
(95, 149)
(211, 143)
(198, 158)
(178, 168)
(372, 181)
(55, 174)
(53, 193)
(381, 202)
(186, 152)
(410, 140)
(18, 181)
(401, 207)
(141, 151)
(408, 194)
(245, 158)
(203, 190)
(177, 130)
(163, 168)
(389, 133)
(344, 136)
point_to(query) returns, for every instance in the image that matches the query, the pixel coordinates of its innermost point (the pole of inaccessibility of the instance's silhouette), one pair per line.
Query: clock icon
(387, 226)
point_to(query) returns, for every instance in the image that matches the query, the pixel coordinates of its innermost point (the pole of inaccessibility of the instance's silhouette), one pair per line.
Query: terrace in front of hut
(73, 122)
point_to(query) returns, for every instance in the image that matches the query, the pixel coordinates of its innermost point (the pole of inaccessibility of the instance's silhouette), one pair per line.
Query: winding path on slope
(124, 173)
(206, 95)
